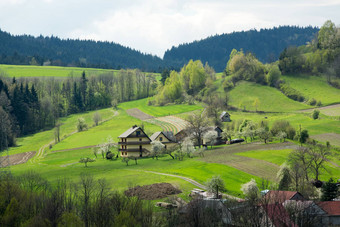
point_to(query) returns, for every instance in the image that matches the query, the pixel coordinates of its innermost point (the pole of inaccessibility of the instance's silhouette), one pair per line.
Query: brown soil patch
(153, 191)
(17, 159)
(333, 138)
(138, 114)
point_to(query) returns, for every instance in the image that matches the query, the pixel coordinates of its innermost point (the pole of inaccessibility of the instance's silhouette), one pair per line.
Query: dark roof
(330, 207)
(131, 130)
(280, 196)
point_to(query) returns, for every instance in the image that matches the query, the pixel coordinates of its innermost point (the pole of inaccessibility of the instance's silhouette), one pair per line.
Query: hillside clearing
(270, 99)
(314, 87)
(138, 114)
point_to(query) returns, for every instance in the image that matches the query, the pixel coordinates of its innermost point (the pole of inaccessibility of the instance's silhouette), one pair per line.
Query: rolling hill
(265, 44)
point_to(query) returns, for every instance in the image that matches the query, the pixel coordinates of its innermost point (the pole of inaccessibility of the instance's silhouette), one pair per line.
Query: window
(138, 133)
(140, 139)
(160, 138)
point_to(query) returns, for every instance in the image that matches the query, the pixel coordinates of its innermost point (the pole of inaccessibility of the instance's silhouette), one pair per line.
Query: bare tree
(197, 127)
(97, 118)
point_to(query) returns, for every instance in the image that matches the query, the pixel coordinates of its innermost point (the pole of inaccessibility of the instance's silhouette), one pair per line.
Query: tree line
(26, 49)
(28, 105)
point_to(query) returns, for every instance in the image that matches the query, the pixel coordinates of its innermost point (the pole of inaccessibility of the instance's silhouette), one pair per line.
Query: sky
(153, 26)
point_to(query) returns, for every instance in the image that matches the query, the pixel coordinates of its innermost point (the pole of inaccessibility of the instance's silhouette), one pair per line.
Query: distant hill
(266, 44)
(21, 49)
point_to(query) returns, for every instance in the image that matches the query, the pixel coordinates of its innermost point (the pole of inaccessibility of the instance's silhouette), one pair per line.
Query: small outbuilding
(225, 117)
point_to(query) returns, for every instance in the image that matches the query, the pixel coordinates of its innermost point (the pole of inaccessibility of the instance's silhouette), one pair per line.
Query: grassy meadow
(314, 87)
(270, 99)
(236, 164)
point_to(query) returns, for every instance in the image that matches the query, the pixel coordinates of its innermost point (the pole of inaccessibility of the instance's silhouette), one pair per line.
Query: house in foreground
(134, 143)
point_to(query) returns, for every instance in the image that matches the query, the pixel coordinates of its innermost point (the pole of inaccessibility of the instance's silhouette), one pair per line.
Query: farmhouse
(273, 197)
(163, 138)
(134, 143)
(332, 213)
(225, 117)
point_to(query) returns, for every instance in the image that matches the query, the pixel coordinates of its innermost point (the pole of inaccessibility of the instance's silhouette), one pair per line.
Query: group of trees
(28, 105)
(250, 130)
(29, 50)
(266, 44)
(186, 84)
(30, 200)
(321, 55)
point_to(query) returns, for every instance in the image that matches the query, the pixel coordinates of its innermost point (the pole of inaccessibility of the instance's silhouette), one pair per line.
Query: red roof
(280, 196)
(330, 207)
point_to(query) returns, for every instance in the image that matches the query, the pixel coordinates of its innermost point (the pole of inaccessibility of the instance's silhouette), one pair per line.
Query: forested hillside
(265, 44)
(25, 50)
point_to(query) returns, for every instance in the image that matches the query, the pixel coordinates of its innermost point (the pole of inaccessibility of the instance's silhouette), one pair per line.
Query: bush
(291, 92)
(81, 126)
(315, 114)
(312, 102)
(319, 103)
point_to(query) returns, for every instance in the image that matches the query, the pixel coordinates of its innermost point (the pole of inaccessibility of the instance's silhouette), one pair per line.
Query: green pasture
(65, 164)
(50, 71)
(314, 87)
(323, 125)
(158, 111)
(97, 135)
(270, 99)
(277, 157)
(69, 124)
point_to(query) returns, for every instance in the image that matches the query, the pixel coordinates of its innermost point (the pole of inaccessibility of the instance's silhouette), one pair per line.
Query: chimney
(135, 126)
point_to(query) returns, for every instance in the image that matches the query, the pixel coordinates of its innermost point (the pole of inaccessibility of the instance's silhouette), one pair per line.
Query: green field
(314, 87)
(52, 71)
(158, 111)
(270, 99)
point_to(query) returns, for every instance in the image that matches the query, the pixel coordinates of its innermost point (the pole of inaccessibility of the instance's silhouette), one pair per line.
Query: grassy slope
(35, 141)
(158, 111)
(271, 99)
(96, 135)
(314, 87)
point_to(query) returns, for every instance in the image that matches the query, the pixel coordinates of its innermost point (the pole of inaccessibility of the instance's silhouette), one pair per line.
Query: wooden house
(163, 138)
(134, 143)
(225, 117)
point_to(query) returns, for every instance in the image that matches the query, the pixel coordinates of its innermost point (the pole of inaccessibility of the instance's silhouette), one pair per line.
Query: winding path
(190, 181)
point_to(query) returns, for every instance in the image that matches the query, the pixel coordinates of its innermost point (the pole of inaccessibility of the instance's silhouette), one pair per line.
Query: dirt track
(138, 114)
(17, 159)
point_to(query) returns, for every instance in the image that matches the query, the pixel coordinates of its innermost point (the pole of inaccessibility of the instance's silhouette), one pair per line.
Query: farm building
(282, 196)
(219, 139)
(225, 117)
(134, 142)
(331, 217)
(163, 138)
(181, 135)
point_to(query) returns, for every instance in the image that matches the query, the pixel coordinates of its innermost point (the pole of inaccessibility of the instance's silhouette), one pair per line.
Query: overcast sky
(153, 26)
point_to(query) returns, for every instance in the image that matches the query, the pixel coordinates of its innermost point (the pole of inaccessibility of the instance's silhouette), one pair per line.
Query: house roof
(278, 215)
(330, 207)
(156, 134)
(280, 196)
(224, 113)
(131, 130)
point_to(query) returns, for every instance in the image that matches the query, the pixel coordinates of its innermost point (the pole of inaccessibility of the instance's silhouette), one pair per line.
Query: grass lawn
(314, 87)
(158, 111)
(270, 99)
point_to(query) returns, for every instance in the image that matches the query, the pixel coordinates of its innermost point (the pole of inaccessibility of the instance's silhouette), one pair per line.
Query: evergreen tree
(329, 190)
